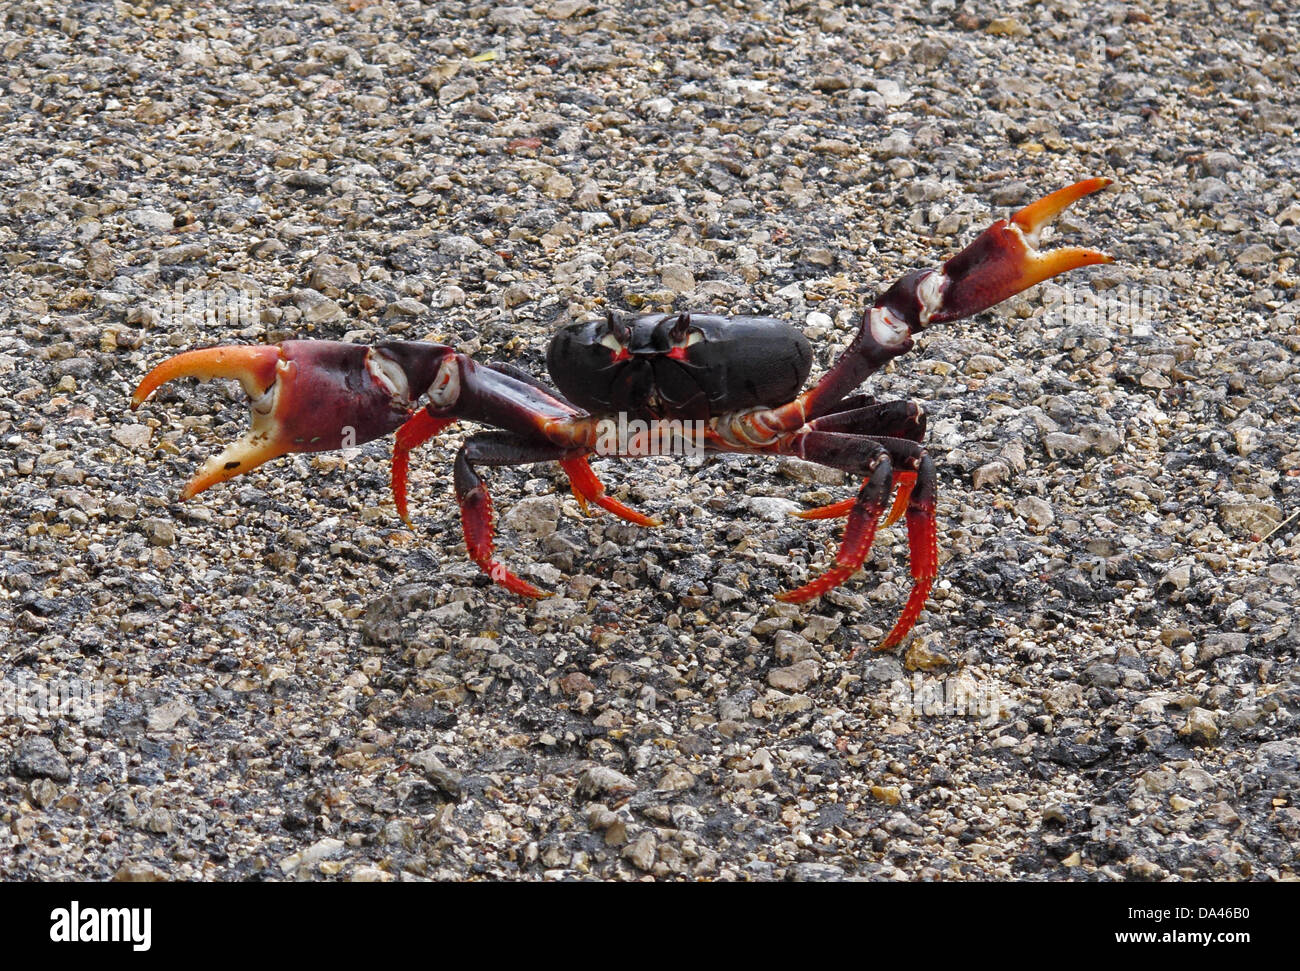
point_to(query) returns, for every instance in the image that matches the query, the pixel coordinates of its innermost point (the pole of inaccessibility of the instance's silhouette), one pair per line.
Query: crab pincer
(1005, 258)
(306, 396)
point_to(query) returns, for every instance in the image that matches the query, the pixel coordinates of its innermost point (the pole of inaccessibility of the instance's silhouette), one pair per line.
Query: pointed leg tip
(627, 513)
(895, 637)
(834, 510)
(498, 574)
(821, 512)
(589, 489)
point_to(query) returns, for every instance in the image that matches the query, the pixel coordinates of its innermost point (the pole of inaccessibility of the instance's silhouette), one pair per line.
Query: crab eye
(678, 351)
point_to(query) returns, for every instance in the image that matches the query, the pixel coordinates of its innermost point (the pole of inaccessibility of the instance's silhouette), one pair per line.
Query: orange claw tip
(258, 445)
(253, 366)
(1036, 215)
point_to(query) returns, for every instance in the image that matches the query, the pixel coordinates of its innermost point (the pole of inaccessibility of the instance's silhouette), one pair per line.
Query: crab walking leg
(889, 419)
(834, 510)
(307, 396)
(906, 465)
(588, 488)
(860, 530)
(903, 482)
(923, 552)
(421, 427)
(496, 448)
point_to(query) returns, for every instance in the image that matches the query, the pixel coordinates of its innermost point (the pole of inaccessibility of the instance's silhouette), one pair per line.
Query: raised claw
(307, 396)
(1005, 259)
(252, 366)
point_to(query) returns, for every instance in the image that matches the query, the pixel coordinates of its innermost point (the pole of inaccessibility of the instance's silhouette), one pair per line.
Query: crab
(718, 384)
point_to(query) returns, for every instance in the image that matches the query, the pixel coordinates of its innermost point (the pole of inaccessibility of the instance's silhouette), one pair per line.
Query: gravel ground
(295, 687)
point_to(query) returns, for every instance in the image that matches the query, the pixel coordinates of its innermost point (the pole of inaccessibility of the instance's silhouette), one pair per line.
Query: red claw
(257, 369)
(307, 396)
(1005, 259)
(252, 366)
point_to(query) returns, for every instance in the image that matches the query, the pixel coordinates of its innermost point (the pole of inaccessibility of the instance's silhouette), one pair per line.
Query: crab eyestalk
(307, 396)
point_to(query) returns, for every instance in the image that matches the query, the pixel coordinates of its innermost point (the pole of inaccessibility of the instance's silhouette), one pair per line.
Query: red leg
(880, 420)
(903, 481)
(834, 510)
(491, 448)
(588, 488)
(900, 463)
(923, 550)
(860, 531)
(419, 429)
